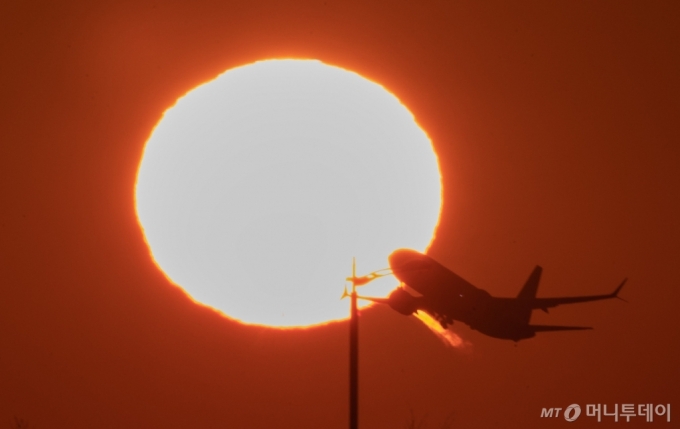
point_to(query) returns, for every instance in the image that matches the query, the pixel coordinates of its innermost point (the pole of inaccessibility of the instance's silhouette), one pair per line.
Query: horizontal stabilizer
(546, 328)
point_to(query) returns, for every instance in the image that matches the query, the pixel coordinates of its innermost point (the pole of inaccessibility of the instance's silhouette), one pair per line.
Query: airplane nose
(402, 259)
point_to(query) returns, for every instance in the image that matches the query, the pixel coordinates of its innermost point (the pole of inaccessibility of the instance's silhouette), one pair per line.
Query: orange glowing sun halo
(257, 188)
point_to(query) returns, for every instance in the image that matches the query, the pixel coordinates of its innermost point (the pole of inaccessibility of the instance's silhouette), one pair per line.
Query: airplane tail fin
(547, 328)
(531, 286)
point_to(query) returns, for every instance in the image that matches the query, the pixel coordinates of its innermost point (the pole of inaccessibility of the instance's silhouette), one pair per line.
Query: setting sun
(257, 188)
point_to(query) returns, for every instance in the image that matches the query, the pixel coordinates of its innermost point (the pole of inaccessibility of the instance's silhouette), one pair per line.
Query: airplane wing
(545, 303)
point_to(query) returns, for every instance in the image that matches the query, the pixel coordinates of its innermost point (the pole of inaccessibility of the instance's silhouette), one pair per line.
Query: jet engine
(402, 301)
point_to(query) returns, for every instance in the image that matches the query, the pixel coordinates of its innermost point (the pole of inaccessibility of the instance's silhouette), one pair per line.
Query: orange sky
(556, 129)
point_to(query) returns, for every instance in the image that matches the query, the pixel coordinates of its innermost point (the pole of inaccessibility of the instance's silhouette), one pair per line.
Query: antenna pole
(354, 355)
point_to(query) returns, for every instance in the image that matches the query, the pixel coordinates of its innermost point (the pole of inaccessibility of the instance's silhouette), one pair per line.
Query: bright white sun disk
(257, 188)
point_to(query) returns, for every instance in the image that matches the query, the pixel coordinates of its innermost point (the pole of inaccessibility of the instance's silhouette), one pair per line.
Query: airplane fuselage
(496, 317)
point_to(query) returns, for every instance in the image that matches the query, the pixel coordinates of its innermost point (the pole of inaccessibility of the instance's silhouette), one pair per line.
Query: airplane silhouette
(428, 286)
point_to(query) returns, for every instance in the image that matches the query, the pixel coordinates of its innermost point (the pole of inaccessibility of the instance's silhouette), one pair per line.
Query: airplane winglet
(615, 294)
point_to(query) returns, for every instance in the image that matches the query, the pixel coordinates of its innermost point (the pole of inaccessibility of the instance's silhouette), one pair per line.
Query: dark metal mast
(354, 355)
(354, 339)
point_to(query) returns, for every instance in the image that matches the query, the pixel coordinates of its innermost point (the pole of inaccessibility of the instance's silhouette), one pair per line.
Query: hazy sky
(556, 129)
